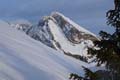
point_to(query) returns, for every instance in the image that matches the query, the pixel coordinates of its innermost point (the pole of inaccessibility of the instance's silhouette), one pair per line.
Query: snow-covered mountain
(23, 58)
(62, 34)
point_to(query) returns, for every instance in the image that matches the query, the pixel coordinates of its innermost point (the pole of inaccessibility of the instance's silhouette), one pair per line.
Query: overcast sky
(87, 13)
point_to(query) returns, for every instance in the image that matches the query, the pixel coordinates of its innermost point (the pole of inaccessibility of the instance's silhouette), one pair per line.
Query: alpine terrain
(23, 58)
(60, 33)
(45, 51)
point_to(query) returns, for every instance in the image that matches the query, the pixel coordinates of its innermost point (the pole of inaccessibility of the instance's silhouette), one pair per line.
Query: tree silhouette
(108, 48)
(109, 45)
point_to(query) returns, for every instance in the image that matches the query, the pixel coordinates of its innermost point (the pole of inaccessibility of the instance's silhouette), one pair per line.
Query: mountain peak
(61, 33)
(58, 16)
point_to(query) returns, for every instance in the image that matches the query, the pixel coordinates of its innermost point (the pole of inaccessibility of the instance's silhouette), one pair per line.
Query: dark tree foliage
(109, 45)
(90, 75)
(107, 50)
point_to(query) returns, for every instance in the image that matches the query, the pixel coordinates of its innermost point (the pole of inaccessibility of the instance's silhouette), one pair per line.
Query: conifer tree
(108, 51)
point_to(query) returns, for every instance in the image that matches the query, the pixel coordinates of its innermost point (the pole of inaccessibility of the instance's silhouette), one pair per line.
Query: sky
(90, 14)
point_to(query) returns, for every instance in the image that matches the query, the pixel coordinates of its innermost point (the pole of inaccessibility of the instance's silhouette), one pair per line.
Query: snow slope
(23, 58)
(66, 45)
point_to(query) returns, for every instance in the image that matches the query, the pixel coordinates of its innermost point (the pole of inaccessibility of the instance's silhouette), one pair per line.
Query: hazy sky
(87, 13)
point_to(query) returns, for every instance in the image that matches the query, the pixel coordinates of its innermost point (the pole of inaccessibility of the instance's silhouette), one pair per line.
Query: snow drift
(23, 58)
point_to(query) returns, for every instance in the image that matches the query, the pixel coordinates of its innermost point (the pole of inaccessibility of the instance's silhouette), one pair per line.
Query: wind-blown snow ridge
(23, 58)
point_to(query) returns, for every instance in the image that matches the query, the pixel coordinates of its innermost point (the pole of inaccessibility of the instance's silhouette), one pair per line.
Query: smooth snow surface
(22, 58)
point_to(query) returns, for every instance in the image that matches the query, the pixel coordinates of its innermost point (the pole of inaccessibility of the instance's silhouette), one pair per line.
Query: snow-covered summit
(80, 28)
